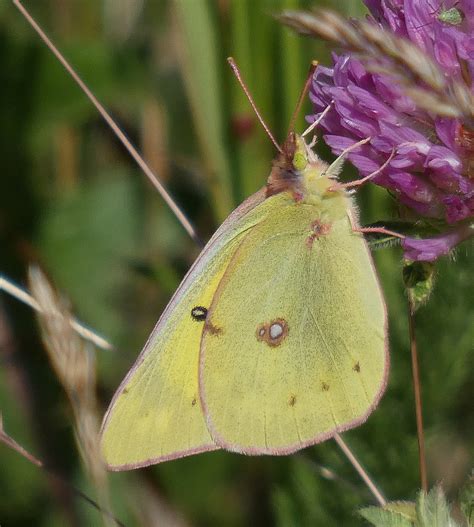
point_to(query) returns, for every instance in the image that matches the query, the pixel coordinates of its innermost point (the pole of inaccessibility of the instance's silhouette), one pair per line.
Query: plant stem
(361, 471)
(113, 125)
(417, 391)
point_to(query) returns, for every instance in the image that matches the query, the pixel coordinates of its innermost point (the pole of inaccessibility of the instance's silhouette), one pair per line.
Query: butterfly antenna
(304, 92)
(236, 71)
(113, 125)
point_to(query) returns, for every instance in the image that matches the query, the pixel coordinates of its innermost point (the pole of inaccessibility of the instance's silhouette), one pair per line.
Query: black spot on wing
(199, 313)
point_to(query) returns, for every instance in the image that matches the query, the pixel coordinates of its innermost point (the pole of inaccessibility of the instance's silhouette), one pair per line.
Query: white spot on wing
(275, 331)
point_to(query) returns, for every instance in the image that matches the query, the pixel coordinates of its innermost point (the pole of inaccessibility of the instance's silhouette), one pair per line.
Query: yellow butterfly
(275, 340)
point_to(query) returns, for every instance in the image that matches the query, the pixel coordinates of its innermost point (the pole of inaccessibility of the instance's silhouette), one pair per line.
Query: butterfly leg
(365, 230)
(336, 166)
(359, 182)
(315, 123)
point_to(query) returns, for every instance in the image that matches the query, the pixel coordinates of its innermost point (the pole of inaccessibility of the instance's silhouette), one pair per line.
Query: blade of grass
(253, 150)
(291, 64)
(200, 66)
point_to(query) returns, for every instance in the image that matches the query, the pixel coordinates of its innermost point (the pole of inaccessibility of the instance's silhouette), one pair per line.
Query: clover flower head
(432, 169)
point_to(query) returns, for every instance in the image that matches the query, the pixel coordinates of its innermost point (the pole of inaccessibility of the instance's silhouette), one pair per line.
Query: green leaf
(394, 514)
(433, 510)
(467, 500)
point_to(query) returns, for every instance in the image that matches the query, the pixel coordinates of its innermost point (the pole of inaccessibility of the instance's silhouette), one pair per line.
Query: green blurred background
(71, 199)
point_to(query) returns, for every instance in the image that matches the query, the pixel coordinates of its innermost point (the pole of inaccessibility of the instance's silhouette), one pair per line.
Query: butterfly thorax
(300, 172)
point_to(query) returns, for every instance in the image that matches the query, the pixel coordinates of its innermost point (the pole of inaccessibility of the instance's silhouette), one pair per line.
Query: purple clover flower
(430, 169)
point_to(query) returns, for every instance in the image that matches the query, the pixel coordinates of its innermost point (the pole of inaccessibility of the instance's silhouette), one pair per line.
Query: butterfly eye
(300, 161)
(199, 313)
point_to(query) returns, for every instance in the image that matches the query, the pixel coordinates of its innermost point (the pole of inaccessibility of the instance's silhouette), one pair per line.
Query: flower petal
(429, 249)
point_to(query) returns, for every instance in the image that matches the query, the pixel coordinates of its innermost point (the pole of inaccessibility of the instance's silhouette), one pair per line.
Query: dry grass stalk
(73, 362)
(14, 445)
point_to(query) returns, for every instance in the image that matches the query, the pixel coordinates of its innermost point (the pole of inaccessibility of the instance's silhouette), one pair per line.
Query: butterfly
(276, 338)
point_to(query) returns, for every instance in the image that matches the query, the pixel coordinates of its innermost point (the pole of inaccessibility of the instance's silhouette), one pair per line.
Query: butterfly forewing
(156, 412)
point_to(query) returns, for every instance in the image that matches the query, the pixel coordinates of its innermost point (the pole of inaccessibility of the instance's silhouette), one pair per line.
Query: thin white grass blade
(23, 296)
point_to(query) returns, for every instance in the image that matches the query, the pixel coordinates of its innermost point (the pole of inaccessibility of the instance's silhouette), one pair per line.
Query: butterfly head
(299, 170)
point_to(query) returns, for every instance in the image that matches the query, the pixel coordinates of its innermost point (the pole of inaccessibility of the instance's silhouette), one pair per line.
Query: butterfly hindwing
(297, 349)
